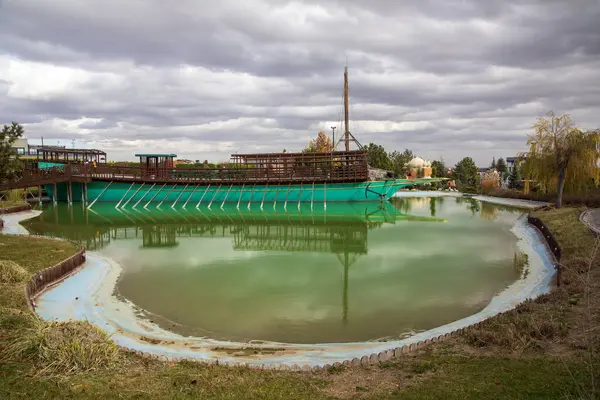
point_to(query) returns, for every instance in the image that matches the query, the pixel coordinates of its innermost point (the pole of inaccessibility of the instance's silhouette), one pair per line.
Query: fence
(41, 280)
(550, 240)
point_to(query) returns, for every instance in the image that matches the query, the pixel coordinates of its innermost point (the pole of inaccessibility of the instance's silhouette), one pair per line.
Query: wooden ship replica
(83, 175)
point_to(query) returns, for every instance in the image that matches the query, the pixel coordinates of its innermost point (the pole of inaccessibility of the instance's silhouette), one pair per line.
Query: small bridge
(38, 177)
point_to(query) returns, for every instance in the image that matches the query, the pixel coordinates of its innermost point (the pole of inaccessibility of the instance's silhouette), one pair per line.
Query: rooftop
(62, 150)
(156, 155)
(298, 154)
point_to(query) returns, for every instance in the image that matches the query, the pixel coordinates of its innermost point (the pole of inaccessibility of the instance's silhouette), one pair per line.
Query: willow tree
(561, 154)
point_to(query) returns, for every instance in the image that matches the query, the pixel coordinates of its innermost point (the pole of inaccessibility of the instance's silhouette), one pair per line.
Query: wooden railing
(82, 173)
(301, 169)
(235, 174)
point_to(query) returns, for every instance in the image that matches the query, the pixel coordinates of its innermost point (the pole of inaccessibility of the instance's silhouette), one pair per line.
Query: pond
(351, 272)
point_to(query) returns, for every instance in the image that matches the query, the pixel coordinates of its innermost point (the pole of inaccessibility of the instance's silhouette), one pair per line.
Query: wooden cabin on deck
(155, 166)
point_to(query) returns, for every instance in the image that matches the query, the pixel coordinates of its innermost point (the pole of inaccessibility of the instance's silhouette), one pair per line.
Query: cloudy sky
(205, 79)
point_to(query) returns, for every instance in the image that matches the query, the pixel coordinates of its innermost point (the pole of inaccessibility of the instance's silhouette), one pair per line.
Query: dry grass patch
(11, 272)
(62, 348)
(532, 326)
(377, 381)
(13, 296)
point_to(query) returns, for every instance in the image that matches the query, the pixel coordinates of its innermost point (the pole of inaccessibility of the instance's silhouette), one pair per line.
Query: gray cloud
(204, 79)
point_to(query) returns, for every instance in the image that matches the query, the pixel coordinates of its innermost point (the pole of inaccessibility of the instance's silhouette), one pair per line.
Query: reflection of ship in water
(348, 241)
(341, 229)
(294, 229)
(159, 236)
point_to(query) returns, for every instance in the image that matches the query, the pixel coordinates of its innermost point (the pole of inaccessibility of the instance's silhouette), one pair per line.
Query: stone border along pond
(88, 295)
(11, 210)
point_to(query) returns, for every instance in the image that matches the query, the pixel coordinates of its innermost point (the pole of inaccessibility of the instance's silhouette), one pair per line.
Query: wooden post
(70, 192)
(54, 196)
(346, 116)
(40, 194)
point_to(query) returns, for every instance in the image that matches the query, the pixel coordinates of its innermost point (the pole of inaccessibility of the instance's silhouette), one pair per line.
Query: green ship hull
(142, 194)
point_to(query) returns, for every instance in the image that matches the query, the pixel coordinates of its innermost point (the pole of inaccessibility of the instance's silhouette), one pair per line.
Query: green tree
(9, 161)
(467, 174)
(493, 165)
(377, 157)
(501, 167)
(399, 161)
(438, 169)
(515, 177)
(560, 152)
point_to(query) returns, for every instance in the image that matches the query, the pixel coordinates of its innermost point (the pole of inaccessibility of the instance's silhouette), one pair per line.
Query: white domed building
(418, 168)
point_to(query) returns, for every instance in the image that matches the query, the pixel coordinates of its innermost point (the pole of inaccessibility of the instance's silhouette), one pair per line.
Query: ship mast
(346, 116)
(347, 135)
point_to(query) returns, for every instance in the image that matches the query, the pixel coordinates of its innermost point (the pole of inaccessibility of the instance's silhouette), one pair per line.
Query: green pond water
(352, 272)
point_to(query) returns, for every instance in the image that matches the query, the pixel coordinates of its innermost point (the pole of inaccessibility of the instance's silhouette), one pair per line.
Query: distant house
(512, 161)
(21, 147)
(482, 171)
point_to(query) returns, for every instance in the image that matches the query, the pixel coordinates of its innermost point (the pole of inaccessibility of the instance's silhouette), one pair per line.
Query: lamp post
(333, 132)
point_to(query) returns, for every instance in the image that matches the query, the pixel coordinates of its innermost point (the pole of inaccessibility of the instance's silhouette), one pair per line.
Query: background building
(418, 168)
(512, 161)
(23, 148)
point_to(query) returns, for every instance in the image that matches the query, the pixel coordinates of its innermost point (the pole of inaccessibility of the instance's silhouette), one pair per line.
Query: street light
(333, 130)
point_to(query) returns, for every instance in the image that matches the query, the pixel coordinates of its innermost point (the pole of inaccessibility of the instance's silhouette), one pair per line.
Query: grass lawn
(34, 254)
(538, 351)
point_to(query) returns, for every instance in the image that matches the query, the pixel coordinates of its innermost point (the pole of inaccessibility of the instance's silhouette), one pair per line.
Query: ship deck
(259, 169)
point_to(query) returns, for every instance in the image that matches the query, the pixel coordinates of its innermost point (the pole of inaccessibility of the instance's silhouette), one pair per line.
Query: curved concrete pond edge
(87, 295)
